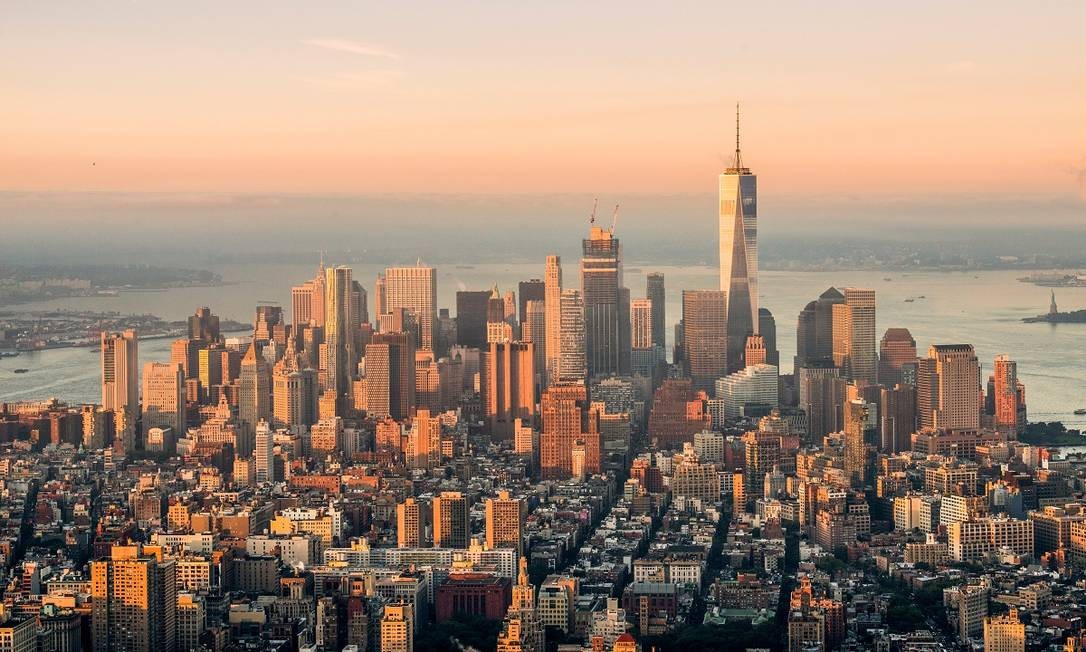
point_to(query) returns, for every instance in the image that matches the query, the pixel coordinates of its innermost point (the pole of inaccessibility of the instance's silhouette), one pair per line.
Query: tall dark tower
(606, 304)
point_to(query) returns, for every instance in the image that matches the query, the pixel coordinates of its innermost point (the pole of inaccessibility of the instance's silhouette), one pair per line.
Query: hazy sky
(497, 97)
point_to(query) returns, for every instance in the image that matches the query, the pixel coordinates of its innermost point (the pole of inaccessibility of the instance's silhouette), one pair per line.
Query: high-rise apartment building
(897, 418)
(264, 454)
(856, 413)
(509, 386)
(452, 520)
(164, 399)
(705, 337)
(896, 349)
(133, 602)
(739, 254)
(606, 305)
(412, 524)
(563, 410)
(854, 336)
(505, 521)
(572, 362)
(534, 329)
(948, 388)
(397, 628)
(641, 323)
(390, 376)
(1007, 395)
(414, 289)
(120, 372)
(424, 441)
(654, 292)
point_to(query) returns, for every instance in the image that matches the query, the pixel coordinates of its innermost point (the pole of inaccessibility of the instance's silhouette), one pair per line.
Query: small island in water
(1054, 316)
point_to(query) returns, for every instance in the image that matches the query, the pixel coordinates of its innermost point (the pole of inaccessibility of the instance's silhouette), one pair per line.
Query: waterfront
(982, 308)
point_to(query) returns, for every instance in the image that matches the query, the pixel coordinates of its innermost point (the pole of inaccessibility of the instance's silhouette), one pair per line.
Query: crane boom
(592, 217)
(614, 219)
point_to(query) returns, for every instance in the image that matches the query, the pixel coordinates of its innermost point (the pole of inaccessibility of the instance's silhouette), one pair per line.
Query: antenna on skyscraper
(738, 158)
(592, 217)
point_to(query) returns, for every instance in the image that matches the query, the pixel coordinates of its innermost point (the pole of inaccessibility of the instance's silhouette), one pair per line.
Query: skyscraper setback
(739, 253)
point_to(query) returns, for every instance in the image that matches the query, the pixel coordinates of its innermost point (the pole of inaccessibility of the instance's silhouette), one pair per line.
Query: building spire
(738, 157)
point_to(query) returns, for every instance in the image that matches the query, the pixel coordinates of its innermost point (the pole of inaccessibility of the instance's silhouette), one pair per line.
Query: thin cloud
(351, 80)
(354, 47)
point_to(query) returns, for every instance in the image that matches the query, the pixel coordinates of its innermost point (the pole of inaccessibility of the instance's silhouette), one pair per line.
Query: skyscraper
(948, 388)
(133, 602)
(534, 329)
(307, 300)
(739, 253)
(641, 323)
(814, 330)
(414, 289)
(654, 292)
(505, 521)
(164, 399)
(606, 305)
(390, 376)
(120, 372)
(452, 520)
(552, 282)
(563, 410)
(412, 524)
(855, 449)
(705, 337)
(571, 362)
(896, 349)
(264, 454)
(204, 326)
(1007, 391)
(854, 336)
(254, 397)
(471, 317)
(338, 333)
(508, 387)
(533, 290)
(897, 417)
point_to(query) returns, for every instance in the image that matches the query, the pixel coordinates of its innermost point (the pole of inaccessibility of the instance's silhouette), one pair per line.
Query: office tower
(360, 309)
(562, 408)
(509, 386)
(268, 316)
(552, 303)
(767, 330)
(752, 390)
(133, 602)
(204, 326)
(654, 292)
(1007, 394)
(452, 520)
(390, 376)
(380, 296)
(120, 372)
(264, 454)
(855, 449)
(339, 333)
(533, 290)
(705, 337)
(1005, 633)
(678, 411)
(534, 329)
(294, 397)
(307, 300)
(897, 418)
(896, 349)
(164, 399)
(510, 299)
(739, 254)
(606, 313)
(755, 352)
(254, 395)
(814, 330)
(854, 336)
(822, 398)
(414, 289)
(397, 628)
(948, 388)
(471, 317)
(412, 524)
(186, 352)
(641, 323)
(498, 328)
(505, 521)
(572, 362)
(191, 621)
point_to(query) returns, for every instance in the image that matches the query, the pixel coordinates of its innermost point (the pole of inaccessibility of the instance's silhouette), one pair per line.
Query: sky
(918, 98)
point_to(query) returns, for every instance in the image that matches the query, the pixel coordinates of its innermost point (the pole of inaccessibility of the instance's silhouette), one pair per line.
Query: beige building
(133, 602)
(163, 398)
(505, 521)
(191, 621)
(397, 628)
(552, 307)
(976, 540)
(854, 336)
(452, 520)
(948, 388)
(509, 386)
(705, 337)
(641, 323)
(1004, 633)
(414, 289)
(412, 524)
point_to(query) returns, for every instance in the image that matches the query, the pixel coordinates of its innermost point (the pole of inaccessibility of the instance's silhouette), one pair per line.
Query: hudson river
(981, 308)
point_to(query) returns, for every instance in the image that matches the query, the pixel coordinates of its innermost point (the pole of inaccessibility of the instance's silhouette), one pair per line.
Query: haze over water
(983, 308)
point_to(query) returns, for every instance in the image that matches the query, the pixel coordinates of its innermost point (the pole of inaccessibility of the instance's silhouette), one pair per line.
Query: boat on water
(21, 370)
(1080, 411)
(909, 300)
(9, 354)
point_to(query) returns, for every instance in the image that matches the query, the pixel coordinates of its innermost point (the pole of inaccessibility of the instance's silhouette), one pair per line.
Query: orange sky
(617, 97)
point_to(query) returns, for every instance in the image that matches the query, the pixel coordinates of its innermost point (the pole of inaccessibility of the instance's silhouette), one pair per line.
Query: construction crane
(592, 217)
(614, 219)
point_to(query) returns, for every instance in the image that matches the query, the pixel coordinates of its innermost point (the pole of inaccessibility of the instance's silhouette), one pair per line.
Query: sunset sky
(498, 97)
